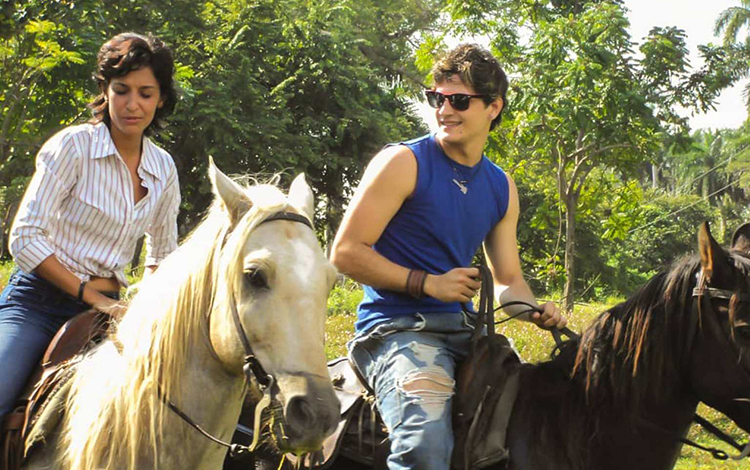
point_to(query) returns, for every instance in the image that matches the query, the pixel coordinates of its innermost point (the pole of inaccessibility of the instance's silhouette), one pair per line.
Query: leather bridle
(252, 368)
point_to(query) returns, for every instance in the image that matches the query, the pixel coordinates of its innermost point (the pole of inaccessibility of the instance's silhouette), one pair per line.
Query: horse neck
(213, 399)
(625, 417)
(553, 427)
(157, 348)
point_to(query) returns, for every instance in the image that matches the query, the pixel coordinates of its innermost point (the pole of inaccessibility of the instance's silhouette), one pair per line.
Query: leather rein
(252, 368)
(486, 313)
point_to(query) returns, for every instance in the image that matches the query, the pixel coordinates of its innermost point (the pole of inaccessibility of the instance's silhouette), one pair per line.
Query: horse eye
(257, 278)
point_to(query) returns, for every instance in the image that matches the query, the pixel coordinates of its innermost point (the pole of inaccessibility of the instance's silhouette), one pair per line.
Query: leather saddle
(361, 434)
(40, 408)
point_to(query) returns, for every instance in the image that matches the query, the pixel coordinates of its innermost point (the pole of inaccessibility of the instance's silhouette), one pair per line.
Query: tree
(584, 105)
(577, 107)
(267, 87)
(284, 87)
(731, 21)
(729, 24)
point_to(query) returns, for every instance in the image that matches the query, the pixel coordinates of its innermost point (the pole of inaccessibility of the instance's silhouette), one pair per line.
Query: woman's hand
(111, 307)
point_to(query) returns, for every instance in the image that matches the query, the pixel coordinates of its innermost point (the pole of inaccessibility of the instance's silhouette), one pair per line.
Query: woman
(98, 187)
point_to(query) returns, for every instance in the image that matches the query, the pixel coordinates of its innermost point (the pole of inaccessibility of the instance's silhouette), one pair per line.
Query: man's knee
(430, 387)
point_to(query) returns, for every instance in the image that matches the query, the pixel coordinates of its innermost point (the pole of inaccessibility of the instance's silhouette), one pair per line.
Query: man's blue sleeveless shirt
(437, 228)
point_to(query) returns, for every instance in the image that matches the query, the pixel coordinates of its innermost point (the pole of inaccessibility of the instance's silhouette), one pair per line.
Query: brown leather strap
(415, 283)
(13, 421)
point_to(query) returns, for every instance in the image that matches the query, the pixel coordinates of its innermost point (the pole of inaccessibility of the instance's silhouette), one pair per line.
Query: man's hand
(551, 318)
(457, 285)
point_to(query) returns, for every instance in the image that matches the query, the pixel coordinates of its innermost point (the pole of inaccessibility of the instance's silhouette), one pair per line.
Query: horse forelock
(164, 320)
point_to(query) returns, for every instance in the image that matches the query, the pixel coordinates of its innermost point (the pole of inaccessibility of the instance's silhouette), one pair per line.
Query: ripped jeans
(410, 362)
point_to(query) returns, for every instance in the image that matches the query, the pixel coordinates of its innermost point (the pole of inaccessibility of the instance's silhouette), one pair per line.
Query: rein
(486, 311)
(252, 368)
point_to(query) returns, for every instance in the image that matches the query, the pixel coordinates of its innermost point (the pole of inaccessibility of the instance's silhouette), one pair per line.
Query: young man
(422, 210)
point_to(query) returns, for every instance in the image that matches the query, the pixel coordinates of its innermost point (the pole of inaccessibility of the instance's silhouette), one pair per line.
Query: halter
(252, 368)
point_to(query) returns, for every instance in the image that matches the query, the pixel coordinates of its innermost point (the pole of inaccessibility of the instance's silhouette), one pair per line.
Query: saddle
(39, 410)
(361, 435)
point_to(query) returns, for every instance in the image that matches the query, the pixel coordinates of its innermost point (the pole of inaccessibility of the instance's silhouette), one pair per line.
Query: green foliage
(267, 87)
(666, 230)
(344, 298)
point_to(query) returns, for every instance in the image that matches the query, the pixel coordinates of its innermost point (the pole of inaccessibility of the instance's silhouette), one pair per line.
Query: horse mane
(632, 349)
(623, 359)
(116, 391)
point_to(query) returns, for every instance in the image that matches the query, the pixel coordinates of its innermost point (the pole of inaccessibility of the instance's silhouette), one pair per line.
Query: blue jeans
(410, 363)
(31, 312)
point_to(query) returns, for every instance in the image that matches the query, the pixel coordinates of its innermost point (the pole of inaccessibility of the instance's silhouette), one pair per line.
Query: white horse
(178, 342)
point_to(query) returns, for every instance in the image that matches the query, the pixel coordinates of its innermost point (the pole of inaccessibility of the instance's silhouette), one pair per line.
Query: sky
(696, 18)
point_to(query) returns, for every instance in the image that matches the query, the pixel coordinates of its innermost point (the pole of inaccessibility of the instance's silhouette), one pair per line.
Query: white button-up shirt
(80, 207)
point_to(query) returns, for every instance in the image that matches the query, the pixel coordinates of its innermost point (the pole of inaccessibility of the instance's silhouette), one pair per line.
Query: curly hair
(478, 69)
(125, 53)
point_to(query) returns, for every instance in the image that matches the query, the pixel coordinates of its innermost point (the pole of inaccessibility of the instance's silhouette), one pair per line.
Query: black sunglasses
(459, 101)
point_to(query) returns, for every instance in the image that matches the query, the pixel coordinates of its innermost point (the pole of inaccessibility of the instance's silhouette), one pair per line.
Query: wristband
(415, 283)
(80, 291)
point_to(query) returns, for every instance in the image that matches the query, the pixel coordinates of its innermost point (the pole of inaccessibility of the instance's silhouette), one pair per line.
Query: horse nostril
(299, 414)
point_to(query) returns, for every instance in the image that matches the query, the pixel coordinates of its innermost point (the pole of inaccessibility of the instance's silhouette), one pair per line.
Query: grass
(532, 343)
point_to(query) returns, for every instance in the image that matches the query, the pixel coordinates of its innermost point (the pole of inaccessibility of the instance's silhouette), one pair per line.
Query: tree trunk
(654, 176)
(570, 253)
(136, 260)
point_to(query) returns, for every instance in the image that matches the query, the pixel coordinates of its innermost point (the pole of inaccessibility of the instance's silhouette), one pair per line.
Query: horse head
(271, 287)
(720, 352)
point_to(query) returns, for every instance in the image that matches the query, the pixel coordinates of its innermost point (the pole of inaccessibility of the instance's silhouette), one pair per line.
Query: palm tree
(728, 24)
(731, 21)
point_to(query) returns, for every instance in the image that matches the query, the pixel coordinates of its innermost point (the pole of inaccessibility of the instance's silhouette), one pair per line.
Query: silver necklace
(461, 183)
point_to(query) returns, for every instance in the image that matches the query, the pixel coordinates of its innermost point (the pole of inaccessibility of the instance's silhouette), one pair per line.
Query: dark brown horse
(624, 394)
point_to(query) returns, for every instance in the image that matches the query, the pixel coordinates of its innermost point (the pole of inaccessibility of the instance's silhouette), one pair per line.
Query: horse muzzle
(311, 412)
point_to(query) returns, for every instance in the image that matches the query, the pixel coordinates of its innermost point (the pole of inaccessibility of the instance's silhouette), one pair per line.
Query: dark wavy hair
(477, 68)
(125, 53)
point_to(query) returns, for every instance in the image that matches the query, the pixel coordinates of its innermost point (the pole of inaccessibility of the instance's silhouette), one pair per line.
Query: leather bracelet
(421, 284)
(80, 291)
(415, 283)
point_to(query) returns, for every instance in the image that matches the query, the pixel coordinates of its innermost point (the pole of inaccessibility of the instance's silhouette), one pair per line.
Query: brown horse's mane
(625, 358)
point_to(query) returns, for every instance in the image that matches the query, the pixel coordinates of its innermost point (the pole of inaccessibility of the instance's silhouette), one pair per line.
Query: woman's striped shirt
(79, 206)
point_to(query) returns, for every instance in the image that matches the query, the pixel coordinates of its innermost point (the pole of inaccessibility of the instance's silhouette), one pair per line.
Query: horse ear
(301, 196)
(741, 239)
(713, 258)
(232, 196)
